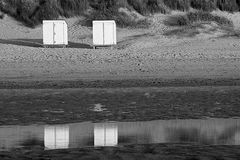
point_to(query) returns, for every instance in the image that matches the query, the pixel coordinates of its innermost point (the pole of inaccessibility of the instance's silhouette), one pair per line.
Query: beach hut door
(108, 33)
(98, 33)
(58, 33)
(47, 33)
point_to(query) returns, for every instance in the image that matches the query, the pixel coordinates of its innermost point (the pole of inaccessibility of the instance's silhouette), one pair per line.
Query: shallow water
(77, 135)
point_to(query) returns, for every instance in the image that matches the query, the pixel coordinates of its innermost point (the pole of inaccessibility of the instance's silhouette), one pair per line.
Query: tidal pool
(87, 134)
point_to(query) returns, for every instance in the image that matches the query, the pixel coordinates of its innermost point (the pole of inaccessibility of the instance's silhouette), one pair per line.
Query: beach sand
(142, 58)
(140, 54)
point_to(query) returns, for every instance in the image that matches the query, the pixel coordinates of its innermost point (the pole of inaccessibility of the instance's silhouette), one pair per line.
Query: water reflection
(15, 136)
(205, 132)
(190, 135)
(105, 134)
(211, 131)
(31, 142)
(56, 137)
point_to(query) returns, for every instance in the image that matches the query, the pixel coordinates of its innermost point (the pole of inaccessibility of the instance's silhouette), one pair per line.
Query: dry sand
(140, 54)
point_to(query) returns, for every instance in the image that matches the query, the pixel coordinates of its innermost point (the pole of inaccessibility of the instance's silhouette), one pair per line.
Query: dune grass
(206, 16)
(199, 16)
(205, 5)
(32, 12)
(1, 16)
(188, 25)
(121, 19)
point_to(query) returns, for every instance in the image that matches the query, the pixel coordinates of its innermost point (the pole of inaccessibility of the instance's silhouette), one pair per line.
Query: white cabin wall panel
(98, 38)
(108, 33)
(115, 33)
(104, 33)
(58, 33)
(55, 32)
(47, 33)
(65, 33)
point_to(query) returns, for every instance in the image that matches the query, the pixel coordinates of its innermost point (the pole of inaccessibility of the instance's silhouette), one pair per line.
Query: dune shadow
(79, 45)
(39, 43)
(128, 41)
(23, 42)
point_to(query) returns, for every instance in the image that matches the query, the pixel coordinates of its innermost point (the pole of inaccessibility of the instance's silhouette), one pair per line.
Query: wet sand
(131, 152)
(54, 106)
(117, 83)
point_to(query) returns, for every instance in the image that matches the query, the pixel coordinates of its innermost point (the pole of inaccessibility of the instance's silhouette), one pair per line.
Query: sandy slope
(140, 53)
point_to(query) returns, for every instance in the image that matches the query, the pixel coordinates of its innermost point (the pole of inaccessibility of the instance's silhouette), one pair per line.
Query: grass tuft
(122, 20)
(199, 16)
(72, 7)
(206, 16)
(204, 5)
(182, 5)
(177, 20)
(194, 23)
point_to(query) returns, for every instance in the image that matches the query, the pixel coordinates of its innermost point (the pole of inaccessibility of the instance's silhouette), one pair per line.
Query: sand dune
(140, 53)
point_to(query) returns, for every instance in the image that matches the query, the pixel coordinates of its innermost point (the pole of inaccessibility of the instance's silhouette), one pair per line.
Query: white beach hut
(55, 32)
(104, 33)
